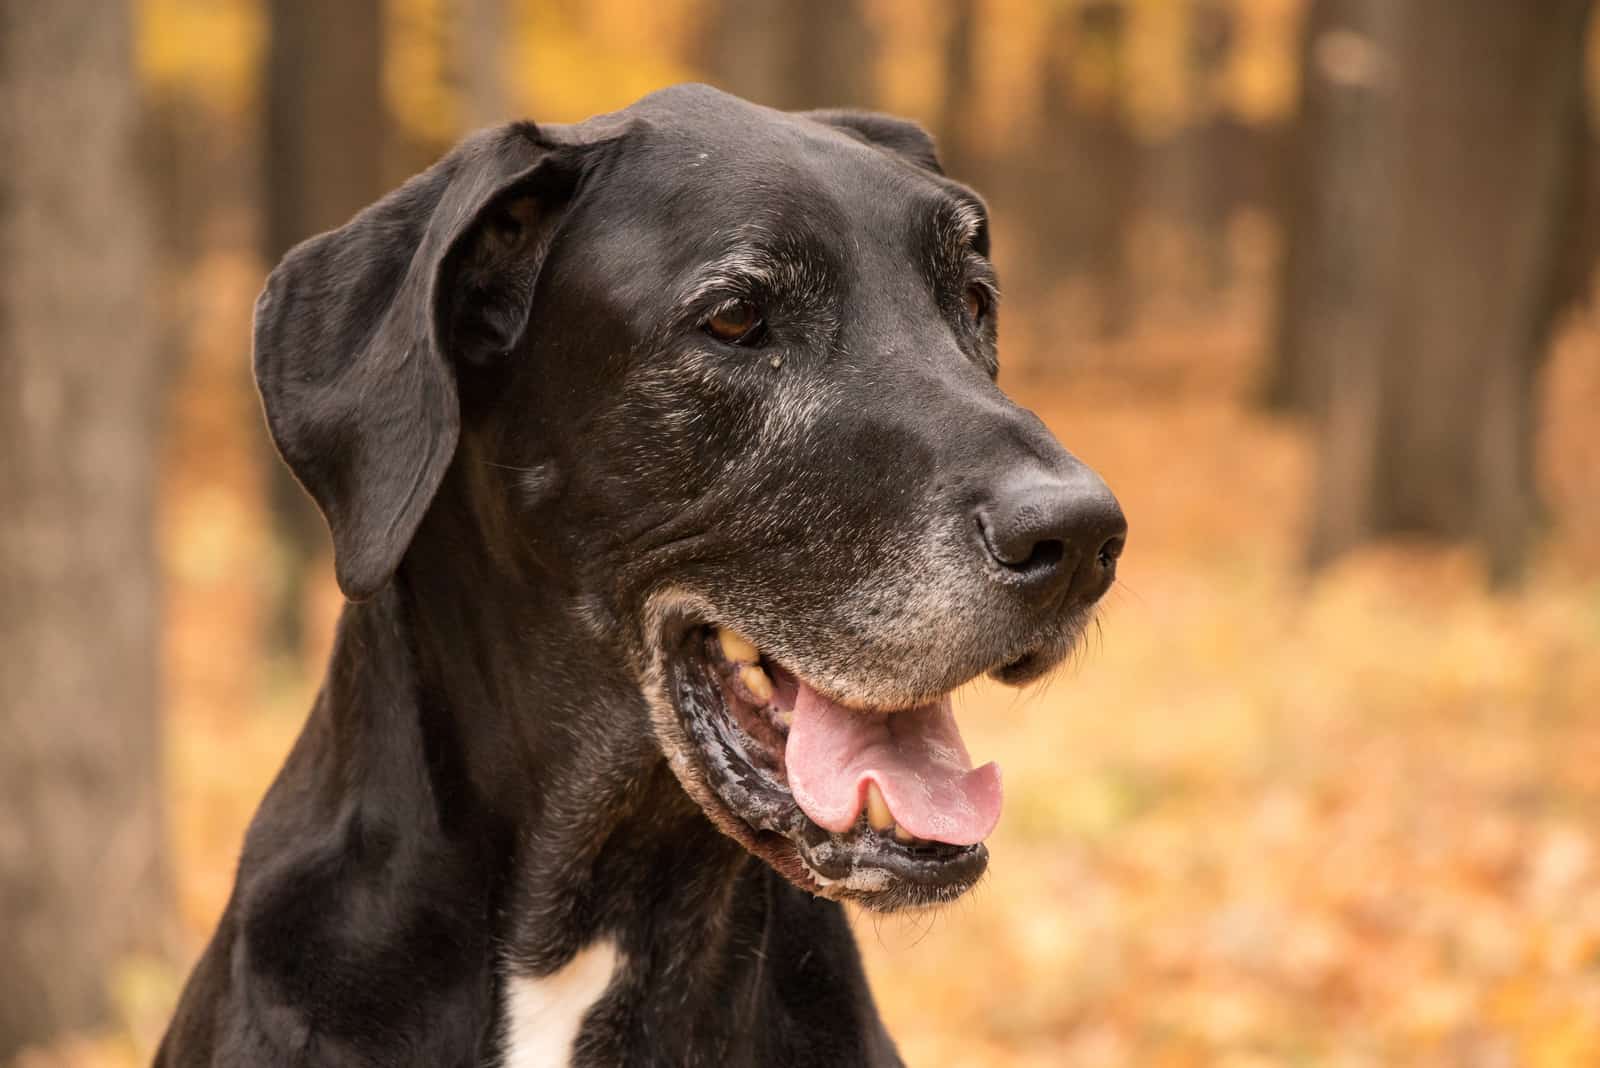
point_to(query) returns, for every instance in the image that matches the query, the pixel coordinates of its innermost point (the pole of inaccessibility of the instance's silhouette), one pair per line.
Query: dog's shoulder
(346, 942)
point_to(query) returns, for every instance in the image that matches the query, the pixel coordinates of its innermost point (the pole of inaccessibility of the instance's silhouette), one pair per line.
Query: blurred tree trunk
(1049, 184)
(740, 46)
(1083, 210)
(81, 853)
(1441, 268)
(481, 61)
(323, 160)
(1329, 159)
(1204, 163)
(790, 54)
(958, 94)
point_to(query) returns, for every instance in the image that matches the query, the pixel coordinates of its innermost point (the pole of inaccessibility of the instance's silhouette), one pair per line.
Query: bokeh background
(1307, 280)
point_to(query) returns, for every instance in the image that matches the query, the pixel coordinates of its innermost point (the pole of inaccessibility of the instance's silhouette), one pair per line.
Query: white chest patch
(543, 1015)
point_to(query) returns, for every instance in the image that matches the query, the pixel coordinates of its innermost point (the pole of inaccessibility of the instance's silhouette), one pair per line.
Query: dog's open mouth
(882, 807)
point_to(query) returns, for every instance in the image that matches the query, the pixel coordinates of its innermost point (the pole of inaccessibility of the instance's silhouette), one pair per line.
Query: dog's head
(727, 379)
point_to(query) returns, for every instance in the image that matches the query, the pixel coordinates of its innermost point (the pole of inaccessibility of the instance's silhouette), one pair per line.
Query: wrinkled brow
(960, 224)
(760, 263)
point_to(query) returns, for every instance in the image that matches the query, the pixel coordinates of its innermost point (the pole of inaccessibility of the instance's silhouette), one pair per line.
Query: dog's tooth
(903, 835)
(755, 680)
(784, 716)
(736, 647)
(879, 818)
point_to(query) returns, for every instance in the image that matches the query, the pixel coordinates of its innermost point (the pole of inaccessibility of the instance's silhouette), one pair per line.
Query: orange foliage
(1264, 820)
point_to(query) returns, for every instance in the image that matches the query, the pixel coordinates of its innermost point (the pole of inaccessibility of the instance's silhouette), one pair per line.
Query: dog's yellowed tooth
(903, 835)
(755, 680)
(784, 716)
(736, 647)
(879, 818)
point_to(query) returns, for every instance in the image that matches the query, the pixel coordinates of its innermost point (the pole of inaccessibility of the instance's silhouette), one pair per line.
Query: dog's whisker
(1122, 590)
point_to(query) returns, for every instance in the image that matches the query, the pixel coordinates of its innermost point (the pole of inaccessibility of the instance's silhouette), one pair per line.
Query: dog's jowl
(673, 495)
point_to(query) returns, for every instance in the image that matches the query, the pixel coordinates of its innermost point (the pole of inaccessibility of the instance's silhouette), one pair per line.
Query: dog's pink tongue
(916, 757)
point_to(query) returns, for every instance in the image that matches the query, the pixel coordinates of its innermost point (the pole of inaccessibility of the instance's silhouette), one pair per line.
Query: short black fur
(536, 464)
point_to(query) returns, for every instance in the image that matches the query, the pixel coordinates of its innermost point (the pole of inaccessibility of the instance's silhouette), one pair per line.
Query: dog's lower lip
(1025, 668)
(865, 862)
(741, 741)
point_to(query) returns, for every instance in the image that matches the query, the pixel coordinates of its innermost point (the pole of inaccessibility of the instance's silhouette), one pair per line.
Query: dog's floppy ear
(358, 329)
(901, 136)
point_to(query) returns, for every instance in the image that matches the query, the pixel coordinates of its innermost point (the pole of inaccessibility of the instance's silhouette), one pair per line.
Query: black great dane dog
(673, 495)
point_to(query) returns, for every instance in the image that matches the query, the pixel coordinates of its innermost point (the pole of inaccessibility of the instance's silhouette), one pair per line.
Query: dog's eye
(735, 322)
(975, 302)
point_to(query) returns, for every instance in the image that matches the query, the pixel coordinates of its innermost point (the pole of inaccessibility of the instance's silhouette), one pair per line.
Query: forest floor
(1264, 819)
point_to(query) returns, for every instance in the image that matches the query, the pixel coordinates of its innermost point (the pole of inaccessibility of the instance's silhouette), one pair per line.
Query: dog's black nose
(1053, 531)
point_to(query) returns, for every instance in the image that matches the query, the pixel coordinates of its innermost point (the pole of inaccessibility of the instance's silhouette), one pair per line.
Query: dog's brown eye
(734, 322)
(976, 303)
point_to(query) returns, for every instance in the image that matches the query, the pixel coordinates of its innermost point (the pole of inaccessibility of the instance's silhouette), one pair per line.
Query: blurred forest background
(1307, 280)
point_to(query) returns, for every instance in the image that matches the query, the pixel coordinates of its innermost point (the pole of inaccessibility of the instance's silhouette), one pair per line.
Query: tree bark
(958, 94)
(1439, 264)
(1080, 184)
(1328, 161)
(81, 855)
(481, 30)
(323, 161)
(789, 54)
(1201, 160)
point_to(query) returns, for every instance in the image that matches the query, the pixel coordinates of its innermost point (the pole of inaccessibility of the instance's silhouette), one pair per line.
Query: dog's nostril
(1110, 551)
(1052, 532)
(1025, 552)
(1045, 554)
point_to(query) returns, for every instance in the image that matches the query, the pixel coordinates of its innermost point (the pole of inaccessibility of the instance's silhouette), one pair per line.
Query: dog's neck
(551, 741)
(509, 753)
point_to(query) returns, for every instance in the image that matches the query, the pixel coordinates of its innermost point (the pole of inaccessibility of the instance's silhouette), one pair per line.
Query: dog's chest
(544, 1014)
